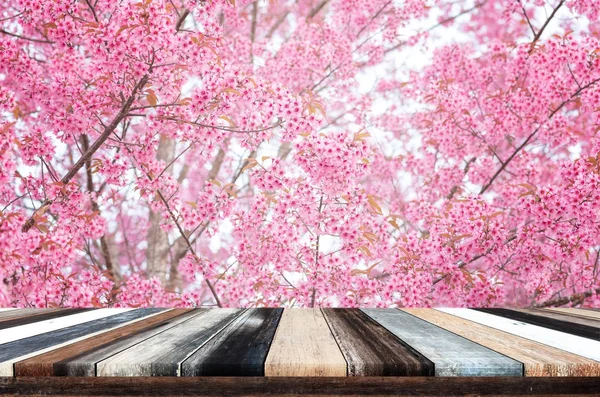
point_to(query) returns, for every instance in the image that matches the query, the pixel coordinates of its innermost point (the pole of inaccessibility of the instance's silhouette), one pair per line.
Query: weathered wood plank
(576, 312)
(299, 386)
(590, 322)
(452, 355)
(15, 318)
(584, 331)
(561, 340)
(163, 354)
(79, 359)
(238, 350)
(538, 359)
(42, 342)
(370, 349)
(41, 327)
(304, 346)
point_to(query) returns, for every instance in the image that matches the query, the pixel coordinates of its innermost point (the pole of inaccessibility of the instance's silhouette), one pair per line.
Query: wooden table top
(314, 346)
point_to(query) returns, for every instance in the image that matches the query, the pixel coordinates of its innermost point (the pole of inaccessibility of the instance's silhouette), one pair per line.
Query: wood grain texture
(68, 359)
(591, 322)
(576, 312)
(370, 349)
(41, 343)
(560, 340)
(14, 318)
(452, 355)
(163, 354)
(304, 346)
(238, 350)
(294, 386)
(539, 360)
(584, 331)
(41, 327)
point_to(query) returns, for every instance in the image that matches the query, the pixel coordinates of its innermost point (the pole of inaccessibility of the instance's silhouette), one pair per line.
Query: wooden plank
(538, 359)
(299, 386)
(163, 354)
(27, 316)
(561, 340)
(563, 317)
(576, 312)
(41, 327)
(79, 359)
(238, 350)
(559, 325)
(304, 346)
(22, 349)
(451, 354)
(371, 350)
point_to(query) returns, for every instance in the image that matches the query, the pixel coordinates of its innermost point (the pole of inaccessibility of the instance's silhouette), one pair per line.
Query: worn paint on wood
(163, 354)
(370, 349)
(14, 318)
(22, 349)
(238, 350)
(25, 331)
(584, 331)
(79, 359)
(452, 355)
(304, 346)
(590, 322)
(560, 340)
(577, 312)
(538, 359)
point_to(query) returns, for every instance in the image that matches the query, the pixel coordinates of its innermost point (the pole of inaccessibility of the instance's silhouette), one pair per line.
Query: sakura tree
(299, 153)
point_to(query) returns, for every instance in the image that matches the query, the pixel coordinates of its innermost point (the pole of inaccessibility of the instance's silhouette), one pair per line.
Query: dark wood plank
(238, 350)
(14, 318)
(452, 355)
(591, 322)
(303, 386)
(61, 361)
(32, 344)
(558, 325)
(370, 349)
(163, 354)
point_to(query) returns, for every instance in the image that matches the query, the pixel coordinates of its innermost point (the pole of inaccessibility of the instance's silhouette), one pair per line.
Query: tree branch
(530, 137)
(90, 152)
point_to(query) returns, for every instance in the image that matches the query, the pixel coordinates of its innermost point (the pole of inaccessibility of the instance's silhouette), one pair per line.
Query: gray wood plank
(84, 364)
(452, 355)
(32, 344)
(162, 354)
(240, 349)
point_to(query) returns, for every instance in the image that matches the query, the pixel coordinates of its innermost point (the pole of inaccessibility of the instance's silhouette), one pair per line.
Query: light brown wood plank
(538, 359)
(590, 322)
(304, 346)
(576, 312)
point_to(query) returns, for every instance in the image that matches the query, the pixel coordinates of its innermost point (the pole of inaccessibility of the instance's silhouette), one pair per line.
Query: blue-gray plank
(451, 354)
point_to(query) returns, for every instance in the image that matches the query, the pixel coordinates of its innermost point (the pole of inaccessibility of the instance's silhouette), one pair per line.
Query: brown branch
(85, 143)
(317, 9)
(277, 24)
(530, 137)
(314, 288)
(26, 38)
(575, 299)
(182, 233)
(90, 152)
(539, 33)
(181, 19)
